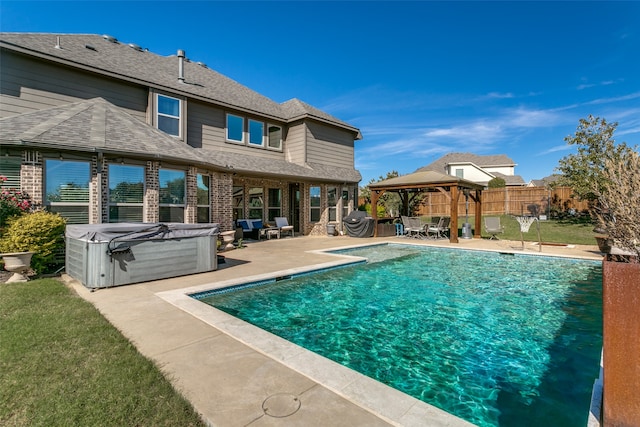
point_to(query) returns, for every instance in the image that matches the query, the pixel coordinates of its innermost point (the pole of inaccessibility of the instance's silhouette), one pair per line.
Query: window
(235, 128)
(168, 115)
(67, 189)
(126, 193)
(238, 203)
(275, 204)
(332, 201)
(256, 133)
(460, 173)
(314, 204)
(10, 169)
(256, 202)
(345, 202)
(204, 198)
(172, 195)
(274, 137)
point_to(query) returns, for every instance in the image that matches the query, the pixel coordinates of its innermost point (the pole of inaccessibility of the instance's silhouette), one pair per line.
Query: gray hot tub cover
(139, 230)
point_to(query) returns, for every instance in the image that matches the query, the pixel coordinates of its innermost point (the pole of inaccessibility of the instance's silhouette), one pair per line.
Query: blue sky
(419, 79)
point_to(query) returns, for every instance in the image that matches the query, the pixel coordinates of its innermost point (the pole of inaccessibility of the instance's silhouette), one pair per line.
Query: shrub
(497, 182)
(12, 203)
(40, 232)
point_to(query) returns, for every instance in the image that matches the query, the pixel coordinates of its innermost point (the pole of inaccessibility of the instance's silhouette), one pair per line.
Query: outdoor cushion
(257, 223)
(244, 225)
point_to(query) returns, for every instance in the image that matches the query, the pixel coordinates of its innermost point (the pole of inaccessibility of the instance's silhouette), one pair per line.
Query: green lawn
(571, 231)
(63, 364)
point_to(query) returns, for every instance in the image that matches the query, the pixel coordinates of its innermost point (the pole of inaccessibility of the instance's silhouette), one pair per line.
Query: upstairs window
(256, 133)
(235, 128)
(274, 137)
(460, 173)
(168, 116)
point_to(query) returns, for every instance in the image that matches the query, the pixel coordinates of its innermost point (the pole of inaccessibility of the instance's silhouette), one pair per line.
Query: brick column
(152, 196)
(191, 209)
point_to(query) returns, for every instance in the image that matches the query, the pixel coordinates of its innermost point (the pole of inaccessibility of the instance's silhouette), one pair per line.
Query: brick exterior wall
(221, 193)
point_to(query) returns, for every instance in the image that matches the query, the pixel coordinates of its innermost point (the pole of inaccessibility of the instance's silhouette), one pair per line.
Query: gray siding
(329, 145)
(30, 84)
(294, 146)
(206, 129)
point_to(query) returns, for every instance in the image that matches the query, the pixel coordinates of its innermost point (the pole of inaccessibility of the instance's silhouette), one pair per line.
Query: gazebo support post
(375, 195)
(453, 229)
(477, 232)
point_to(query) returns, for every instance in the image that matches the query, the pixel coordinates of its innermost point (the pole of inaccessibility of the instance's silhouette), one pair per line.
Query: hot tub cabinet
(105, 255)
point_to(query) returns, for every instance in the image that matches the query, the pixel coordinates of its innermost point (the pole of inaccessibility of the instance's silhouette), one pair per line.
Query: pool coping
(375, 397)
(389, 404)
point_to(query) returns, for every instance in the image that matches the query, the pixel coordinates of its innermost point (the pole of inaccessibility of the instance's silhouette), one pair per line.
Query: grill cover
(359, 224)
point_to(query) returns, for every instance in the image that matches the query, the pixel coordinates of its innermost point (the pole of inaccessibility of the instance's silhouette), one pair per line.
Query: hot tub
(105, 255)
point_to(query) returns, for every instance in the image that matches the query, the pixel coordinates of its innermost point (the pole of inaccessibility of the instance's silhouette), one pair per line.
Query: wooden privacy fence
(507, 201)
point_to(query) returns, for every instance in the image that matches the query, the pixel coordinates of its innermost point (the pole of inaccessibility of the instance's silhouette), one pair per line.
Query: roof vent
(109, 38)
(135, 47)
(90, 47)
(57, 46)
(202, 64)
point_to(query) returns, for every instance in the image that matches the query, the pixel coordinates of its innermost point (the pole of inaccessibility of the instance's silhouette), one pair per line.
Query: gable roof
(96, 125)
(98, 54)
(482, 161)
(423, 179)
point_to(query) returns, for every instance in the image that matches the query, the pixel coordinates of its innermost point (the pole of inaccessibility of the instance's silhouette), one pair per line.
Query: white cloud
(557, 148)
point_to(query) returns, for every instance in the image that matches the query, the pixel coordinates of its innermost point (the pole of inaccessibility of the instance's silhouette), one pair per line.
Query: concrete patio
(235, 374)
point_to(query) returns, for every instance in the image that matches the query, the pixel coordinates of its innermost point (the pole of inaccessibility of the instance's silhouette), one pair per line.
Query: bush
(40, 232)
(12, 203)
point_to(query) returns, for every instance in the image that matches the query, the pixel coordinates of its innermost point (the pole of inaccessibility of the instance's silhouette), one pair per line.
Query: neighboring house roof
(509, 179)
(544, 182)
(483, 162)
(127, 62)
(496, 160)
(96, 125)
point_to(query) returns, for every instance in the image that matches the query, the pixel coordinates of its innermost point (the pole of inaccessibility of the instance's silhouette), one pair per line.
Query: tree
(497, 182)
(584, 171)
(608, 174)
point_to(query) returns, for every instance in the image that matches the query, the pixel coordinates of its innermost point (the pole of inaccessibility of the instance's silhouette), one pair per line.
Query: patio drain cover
(281, 405)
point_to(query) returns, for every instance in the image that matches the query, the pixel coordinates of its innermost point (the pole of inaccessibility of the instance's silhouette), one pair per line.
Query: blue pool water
(496, 339)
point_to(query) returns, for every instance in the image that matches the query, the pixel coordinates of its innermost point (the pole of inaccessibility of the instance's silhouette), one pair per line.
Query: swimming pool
(492, 338)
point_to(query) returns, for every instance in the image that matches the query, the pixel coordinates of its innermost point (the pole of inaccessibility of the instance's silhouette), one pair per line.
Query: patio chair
(283, 225)
(492, 226)
(439, 230)
(413, 226)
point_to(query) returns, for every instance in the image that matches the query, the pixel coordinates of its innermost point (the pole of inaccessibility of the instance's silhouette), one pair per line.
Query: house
(476, 168)
(544, 182)
(105, 131)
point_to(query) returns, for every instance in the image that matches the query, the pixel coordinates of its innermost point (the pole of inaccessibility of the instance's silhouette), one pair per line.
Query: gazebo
(412, 185)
